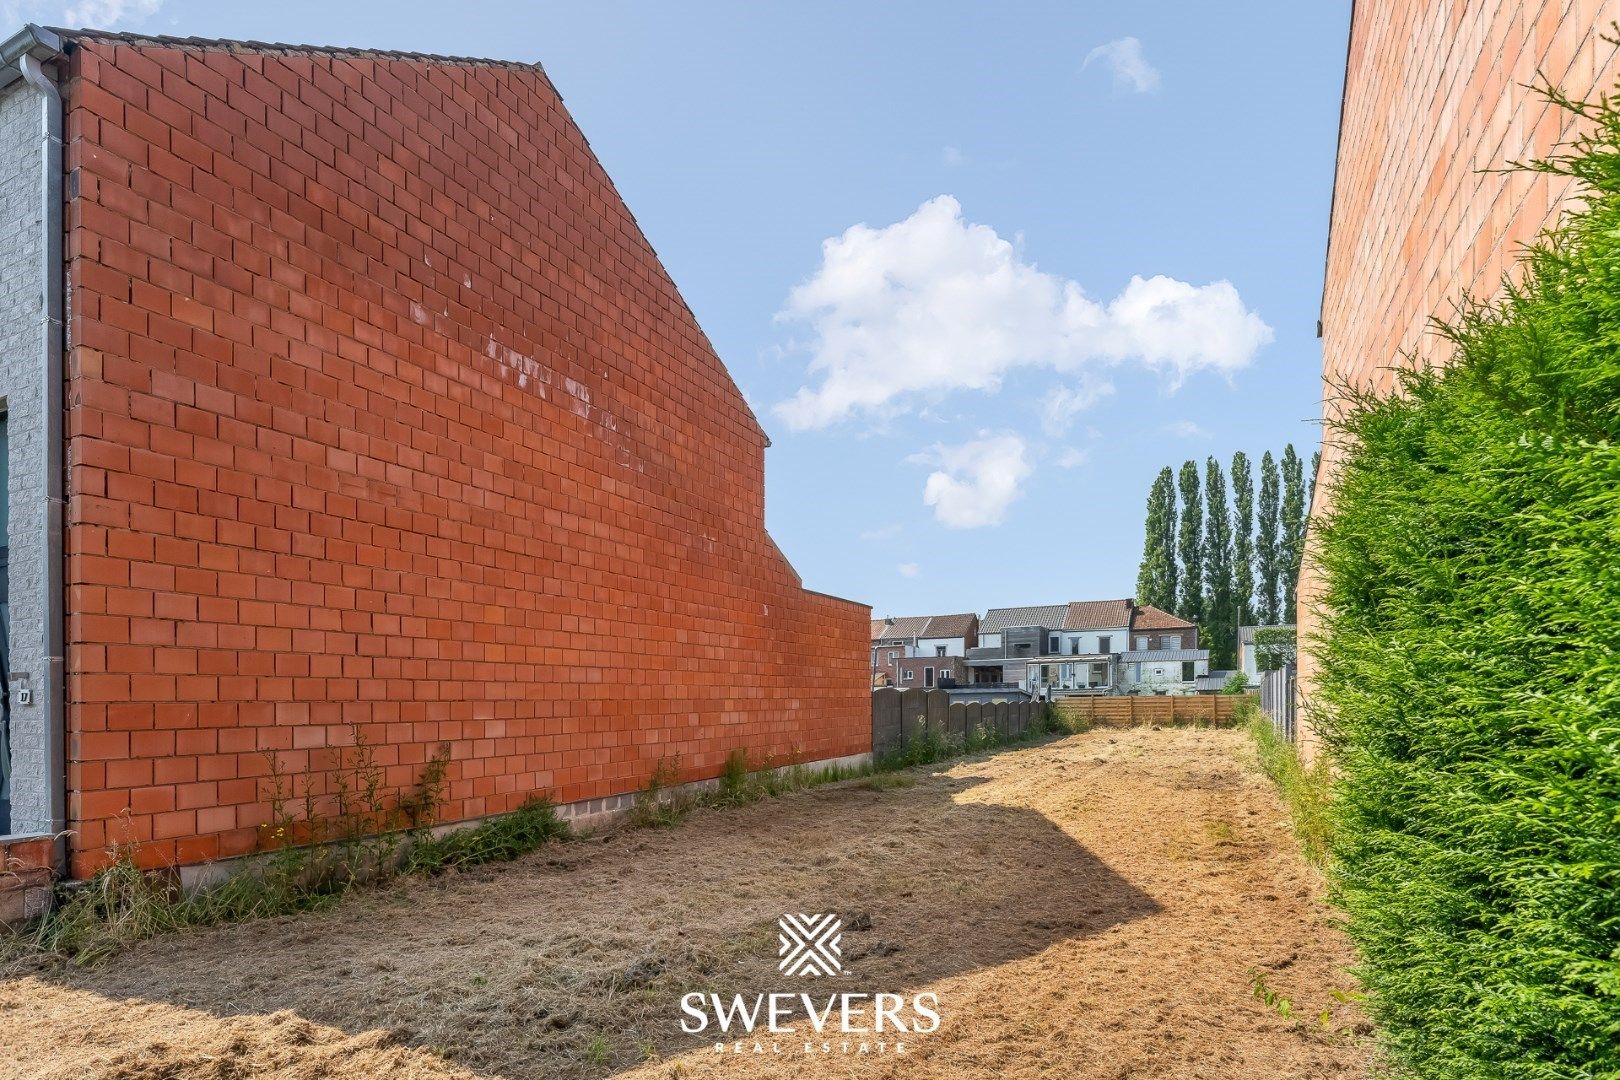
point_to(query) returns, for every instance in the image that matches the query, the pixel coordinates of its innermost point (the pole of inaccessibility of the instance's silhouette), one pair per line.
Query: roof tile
(998, 619)
(1097, 614)
(1149, 617)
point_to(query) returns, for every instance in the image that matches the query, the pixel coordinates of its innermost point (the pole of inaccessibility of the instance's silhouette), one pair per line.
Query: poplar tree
(1219, 602)
(1292, 541)
(1190, 603)
(1156, 578)
(1266, 554)
(1243, 538)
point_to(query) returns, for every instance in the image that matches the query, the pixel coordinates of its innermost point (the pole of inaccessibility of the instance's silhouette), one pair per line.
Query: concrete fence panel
(937, 706)
(885, 720)
(913, 714)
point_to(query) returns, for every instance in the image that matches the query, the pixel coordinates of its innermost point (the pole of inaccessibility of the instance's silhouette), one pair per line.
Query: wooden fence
(1128, 711)
(898, 716)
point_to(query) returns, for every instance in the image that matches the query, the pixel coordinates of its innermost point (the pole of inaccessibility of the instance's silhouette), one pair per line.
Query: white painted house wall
(954, 646)
(1151, 676)
(1090, 641)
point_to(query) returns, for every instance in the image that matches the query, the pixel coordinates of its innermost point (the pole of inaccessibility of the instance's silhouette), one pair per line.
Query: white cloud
(107, 14)
(1072, 457)
(908, 569)
(976, 481)
(1130, 68)
(935, 304)
(1186, 429)
(952, 157)
(882, 532)
(1062, 404)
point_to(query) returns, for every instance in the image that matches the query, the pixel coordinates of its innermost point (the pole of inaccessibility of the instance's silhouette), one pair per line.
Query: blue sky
(967, 393)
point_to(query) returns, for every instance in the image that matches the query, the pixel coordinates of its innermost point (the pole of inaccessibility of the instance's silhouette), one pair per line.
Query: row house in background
(1087, 646)
(922, 650)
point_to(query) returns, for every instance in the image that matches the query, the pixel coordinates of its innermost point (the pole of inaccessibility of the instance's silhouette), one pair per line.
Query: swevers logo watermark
(809, 944)
(833, 1023)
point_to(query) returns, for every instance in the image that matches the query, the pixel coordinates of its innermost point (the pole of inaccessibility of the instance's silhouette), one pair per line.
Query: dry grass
(1030, 889)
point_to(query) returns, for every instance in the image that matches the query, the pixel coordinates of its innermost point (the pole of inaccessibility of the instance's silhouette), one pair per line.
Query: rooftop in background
(1097, 614)
(1159, 656)
(1083, 615)
(924, 626)
(1149, 617)
(998, 619)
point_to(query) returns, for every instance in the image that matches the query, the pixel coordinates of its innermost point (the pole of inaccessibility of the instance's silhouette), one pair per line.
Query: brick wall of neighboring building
(913, 666)
(385, 416)
(1435, 94)
(1185, 638)
(885, 668)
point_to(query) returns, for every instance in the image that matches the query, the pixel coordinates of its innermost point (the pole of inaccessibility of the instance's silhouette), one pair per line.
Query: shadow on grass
(572, 961)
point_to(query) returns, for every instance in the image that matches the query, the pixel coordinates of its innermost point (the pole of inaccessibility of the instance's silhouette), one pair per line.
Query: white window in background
(905, 676)
(1103, 643)
(939, 650)
(1055, 645)
(928, 676)
(1187, 672)
(1141, 643)
(1169, 641)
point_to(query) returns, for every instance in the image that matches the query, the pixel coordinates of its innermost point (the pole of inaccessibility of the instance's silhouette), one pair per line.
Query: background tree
(1220, 604)
(1190, 603)
(1156, 578)
(1292, 540)
(1243, 538)
(1266, 554)
(1274, 647)
(1310, 484)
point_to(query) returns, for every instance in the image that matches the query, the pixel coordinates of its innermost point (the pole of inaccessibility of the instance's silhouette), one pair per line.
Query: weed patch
(1306, 792)
(498, 839)
(310, 856)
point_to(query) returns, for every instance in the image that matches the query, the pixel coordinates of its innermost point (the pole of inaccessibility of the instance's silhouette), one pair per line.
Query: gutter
(23, 57)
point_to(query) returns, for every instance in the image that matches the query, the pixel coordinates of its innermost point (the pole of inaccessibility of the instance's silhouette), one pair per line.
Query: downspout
(52, 335)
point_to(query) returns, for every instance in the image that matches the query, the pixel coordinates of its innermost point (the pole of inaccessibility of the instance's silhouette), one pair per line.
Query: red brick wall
(385, 414)
(1435, 93)
(942, 665)
(883, 666)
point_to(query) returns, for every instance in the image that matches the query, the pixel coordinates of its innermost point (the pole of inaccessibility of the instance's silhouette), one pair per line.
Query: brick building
(894, 640)
(380, 415)
(928, 672)
(1434, 96)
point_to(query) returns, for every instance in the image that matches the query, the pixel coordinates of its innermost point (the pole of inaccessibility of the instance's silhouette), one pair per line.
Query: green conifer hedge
(1470, 669)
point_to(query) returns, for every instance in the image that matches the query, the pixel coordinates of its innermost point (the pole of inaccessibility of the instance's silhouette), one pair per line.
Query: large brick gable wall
(384, 415)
